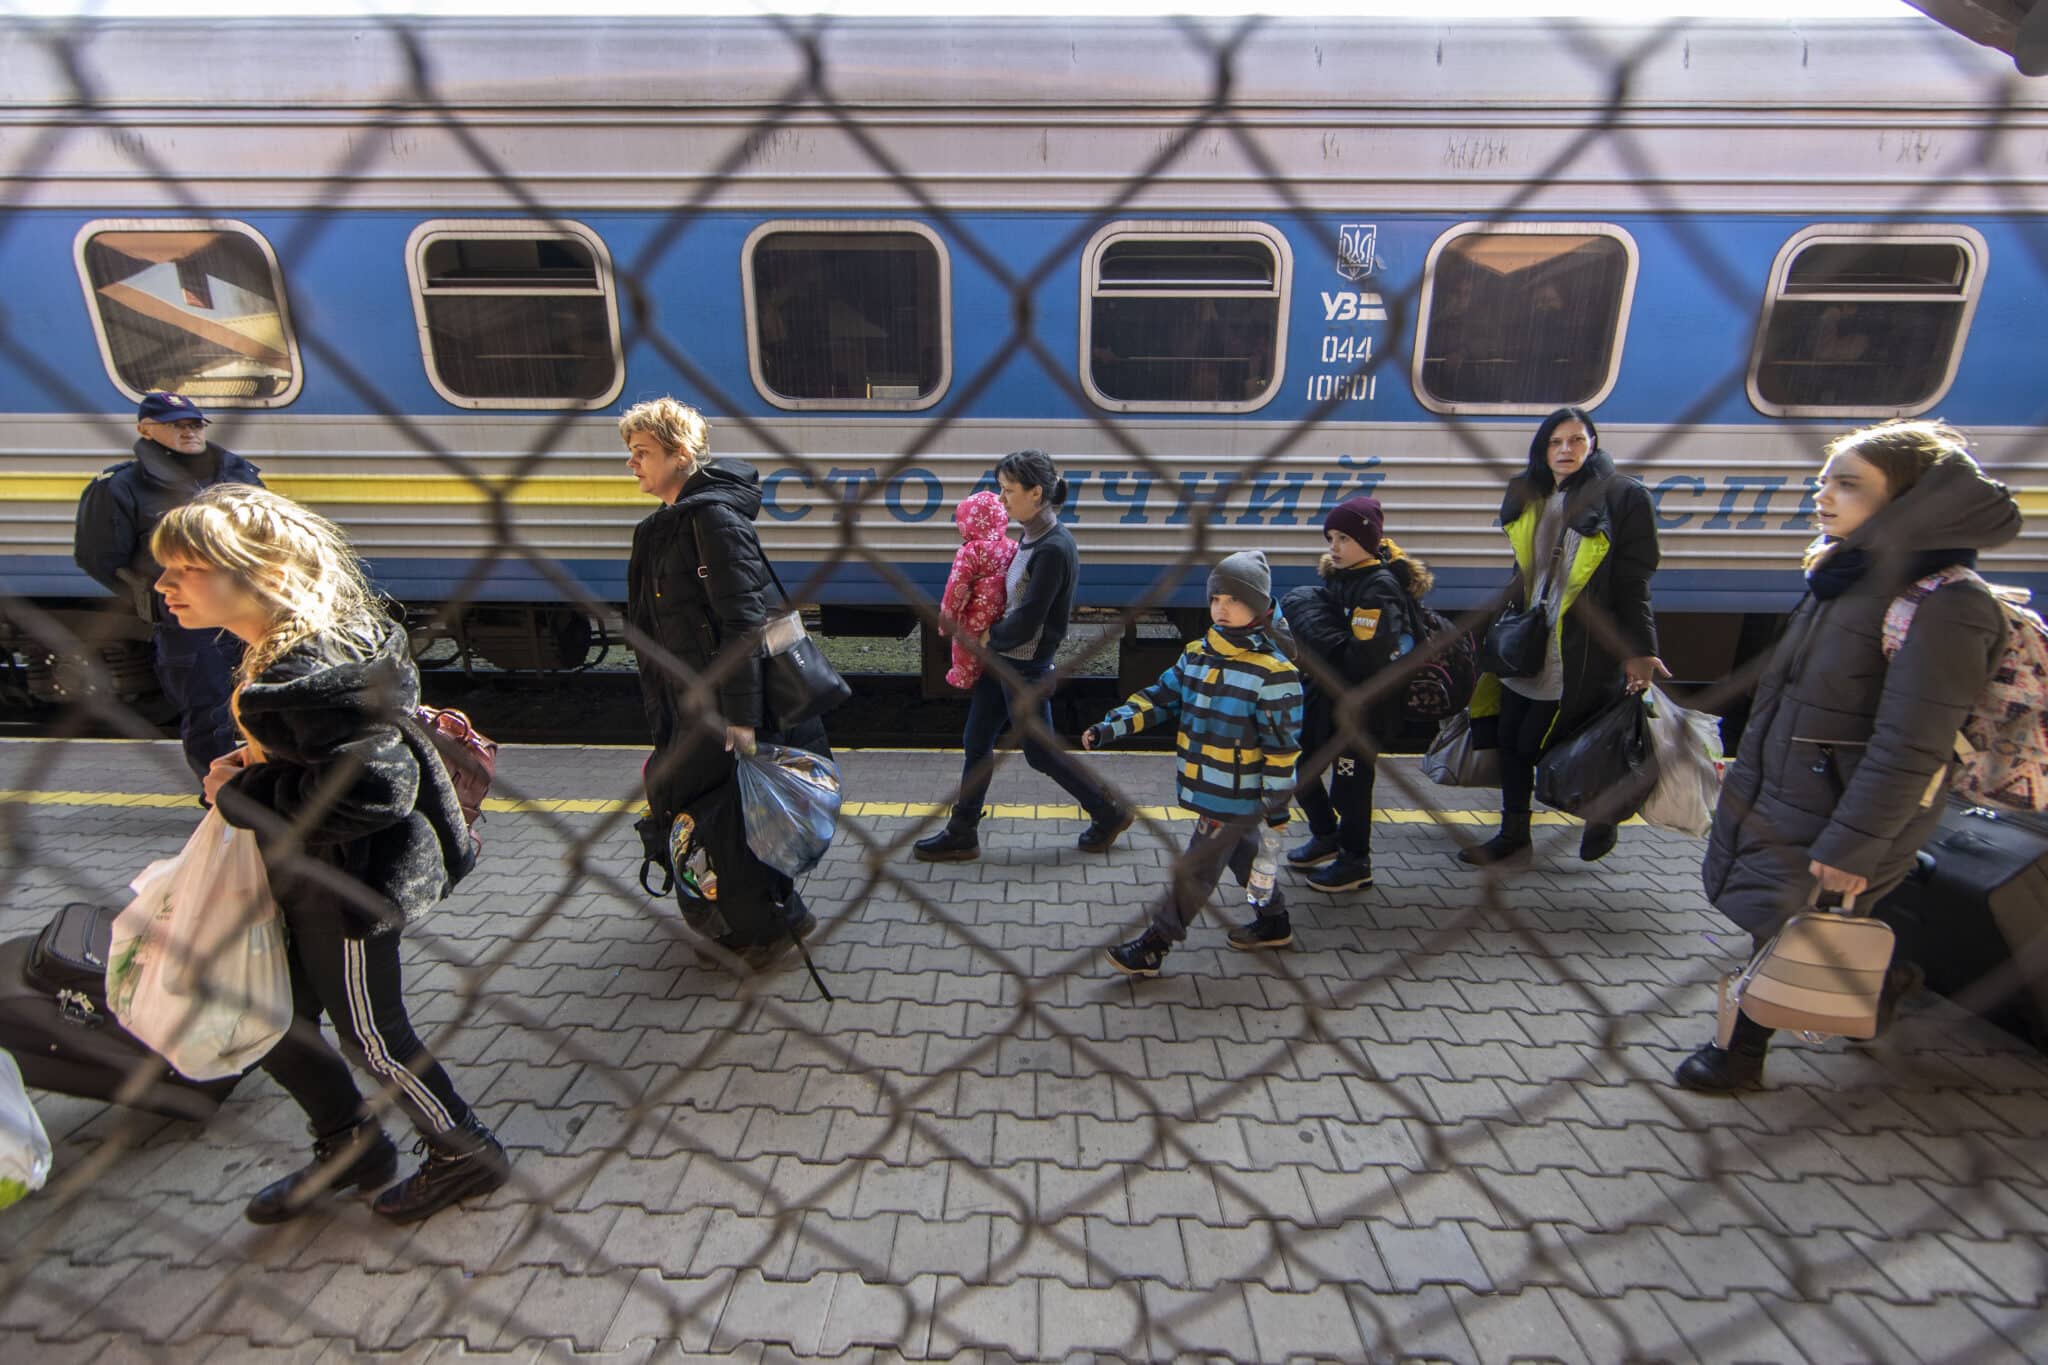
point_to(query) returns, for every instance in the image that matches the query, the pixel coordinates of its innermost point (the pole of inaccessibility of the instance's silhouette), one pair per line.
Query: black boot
(1103, 830)
(1512, 839)
(1597, 842)
(956, 843)
(358, 1157)
(1717, 1070)
(461, 1163)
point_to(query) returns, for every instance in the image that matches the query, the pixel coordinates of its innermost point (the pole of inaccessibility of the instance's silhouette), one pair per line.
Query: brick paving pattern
(1437, 1127)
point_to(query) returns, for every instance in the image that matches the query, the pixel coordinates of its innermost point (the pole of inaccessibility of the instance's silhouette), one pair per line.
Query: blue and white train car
(420, 271)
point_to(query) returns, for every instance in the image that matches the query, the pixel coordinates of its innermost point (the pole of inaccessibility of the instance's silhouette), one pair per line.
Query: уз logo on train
(1355, 242)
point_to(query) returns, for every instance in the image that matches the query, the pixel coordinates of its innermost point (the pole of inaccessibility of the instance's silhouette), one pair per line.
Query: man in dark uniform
(173, 461)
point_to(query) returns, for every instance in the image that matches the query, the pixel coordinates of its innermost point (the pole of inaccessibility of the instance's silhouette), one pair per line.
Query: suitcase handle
(1831, 901)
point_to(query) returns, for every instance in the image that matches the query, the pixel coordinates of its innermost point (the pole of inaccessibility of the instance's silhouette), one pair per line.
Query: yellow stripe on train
(384, 490)
(444, 490)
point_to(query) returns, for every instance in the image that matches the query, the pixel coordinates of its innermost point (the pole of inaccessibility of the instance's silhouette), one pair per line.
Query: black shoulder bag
(798, 682)
(1519, 638)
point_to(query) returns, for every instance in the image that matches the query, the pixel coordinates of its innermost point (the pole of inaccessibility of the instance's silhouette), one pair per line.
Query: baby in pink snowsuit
(975, 591)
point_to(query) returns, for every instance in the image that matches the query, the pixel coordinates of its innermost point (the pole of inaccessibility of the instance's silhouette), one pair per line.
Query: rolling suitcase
(54, 1020)
(1974, 915)
(68, 960)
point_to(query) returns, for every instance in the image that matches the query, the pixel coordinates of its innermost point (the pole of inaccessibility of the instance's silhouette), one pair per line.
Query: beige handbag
(1822, 975)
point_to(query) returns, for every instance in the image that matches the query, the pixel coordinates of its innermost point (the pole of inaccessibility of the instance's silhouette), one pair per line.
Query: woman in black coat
(360, 829)
(1584, 538)
(696, 586)
(1041, 583)
(1840, 774)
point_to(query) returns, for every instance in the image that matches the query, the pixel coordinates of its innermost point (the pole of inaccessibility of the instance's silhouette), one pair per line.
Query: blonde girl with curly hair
(360, 829)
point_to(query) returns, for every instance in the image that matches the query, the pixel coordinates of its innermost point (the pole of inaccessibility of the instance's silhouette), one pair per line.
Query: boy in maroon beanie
(1356, 620)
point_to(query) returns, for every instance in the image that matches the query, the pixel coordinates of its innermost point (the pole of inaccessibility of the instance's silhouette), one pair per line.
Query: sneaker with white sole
(1345, 874)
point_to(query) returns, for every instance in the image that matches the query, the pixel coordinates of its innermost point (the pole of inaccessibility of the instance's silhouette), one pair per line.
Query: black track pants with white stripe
(356, 983)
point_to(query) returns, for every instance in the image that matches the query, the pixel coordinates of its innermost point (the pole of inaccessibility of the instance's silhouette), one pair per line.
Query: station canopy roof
(2016, 26)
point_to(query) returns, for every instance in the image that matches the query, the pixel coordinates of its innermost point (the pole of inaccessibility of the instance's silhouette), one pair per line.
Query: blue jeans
(988, 715)
(196, 669)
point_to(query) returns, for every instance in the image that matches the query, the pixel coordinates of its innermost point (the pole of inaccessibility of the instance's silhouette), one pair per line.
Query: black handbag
(1515, 643)
(798, 683)
(1519, 638)
(1606, 769)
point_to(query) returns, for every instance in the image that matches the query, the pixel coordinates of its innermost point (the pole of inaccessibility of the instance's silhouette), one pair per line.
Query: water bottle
(1265, 869)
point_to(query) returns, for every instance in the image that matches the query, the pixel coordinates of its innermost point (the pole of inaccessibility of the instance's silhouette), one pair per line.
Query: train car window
(1523, 317)
(1865, 320)
(192, 306)
(848, 314)
(516, 315)
(1184, 317)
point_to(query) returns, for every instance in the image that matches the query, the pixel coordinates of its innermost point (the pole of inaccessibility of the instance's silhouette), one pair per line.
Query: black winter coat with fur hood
(351, 804)
(1354, 622)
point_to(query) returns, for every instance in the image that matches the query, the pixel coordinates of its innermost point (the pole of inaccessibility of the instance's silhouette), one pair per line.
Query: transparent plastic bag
(789, 799)
(1689, 758)
(24, 1146)
(197, 968)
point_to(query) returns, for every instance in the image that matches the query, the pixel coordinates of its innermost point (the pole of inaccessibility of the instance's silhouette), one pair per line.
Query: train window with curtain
(193, 306)
(1184, 316)
(1865, 320)
(848, 314)
(516, 315)
(1523, 317)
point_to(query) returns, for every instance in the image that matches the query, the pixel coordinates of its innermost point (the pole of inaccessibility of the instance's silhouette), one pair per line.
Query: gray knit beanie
(1246, 577)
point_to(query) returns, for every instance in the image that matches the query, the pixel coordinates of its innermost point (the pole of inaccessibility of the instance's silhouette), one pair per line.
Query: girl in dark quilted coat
(1842, 769)
(360, 829)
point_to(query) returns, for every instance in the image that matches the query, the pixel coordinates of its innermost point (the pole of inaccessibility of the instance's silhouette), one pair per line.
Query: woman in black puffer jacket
(1584, 537)
(359, 825)
(697, 585)
(1841, 770)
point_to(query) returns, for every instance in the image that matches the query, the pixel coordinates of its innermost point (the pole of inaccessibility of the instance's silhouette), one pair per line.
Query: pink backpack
(2002, 749)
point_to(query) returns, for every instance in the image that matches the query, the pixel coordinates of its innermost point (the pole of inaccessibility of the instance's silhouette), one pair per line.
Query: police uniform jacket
(123, 504)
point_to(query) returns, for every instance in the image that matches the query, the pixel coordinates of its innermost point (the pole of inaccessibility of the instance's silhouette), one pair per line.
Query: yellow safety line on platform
(866, 810)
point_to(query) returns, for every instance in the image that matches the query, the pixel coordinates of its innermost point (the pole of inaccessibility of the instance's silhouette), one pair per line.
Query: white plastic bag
(197, 968)
(1688, 745)
(24, 1146)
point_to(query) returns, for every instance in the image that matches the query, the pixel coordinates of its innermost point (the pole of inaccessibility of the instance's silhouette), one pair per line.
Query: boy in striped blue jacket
(1237, 700)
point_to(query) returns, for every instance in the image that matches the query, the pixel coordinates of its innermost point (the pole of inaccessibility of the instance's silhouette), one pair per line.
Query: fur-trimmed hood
(1414, 576)
(363, 667)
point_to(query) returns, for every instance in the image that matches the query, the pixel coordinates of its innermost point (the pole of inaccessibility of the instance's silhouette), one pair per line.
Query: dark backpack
(1442, 687)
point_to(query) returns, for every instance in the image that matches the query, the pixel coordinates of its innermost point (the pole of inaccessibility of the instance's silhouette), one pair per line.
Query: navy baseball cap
(169, 407)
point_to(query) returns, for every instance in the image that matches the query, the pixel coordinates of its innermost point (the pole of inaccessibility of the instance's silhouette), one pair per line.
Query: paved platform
(1440, 1126)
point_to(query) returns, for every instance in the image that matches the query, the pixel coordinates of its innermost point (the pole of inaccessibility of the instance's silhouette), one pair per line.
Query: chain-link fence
(1440, 1124)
